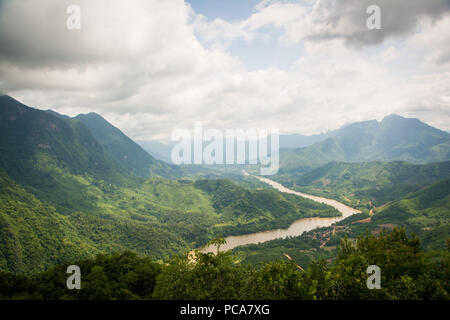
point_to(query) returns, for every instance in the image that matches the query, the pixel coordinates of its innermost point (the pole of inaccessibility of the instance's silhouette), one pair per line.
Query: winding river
(295, 229)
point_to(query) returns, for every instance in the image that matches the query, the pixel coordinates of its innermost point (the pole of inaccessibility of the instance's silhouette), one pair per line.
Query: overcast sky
(306, 66)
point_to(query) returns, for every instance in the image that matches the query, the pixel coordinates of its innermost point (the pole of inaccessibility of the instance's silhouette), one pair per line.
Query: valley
(297, 228)
(78, 189)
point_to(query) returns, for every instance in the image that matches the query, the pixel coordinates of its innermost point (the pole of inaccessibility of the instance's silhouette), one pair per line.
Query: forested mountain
(124, 150)
(394, 138)
(35, 144)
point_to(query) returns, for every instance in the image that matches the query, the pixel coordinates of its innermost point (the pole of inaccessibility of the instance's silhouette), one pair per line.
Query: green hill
(124, 150)
(394, 138)
(157, 218)
(367, 183)
(426, 213)
(31, 139)
(252, 210)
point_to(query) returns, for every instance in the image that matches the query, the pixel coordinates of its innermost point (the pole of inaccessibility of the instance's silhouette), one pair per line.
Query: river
(295, 229)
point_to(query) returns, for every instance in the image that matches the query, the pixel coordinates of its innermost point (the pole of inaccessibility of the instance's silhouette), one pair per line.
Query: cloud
(331, 19)
(434, 40)
(150, 66)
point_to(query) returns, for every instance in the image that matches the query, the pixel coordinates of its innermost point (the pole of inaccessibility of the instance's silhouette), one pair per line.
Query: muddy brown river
(295, 229)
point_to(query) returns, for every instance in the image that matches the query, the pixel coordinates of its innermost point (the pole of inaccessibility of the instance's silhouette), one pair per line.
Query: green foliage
(405, 269)
(395, 138)
(406, 273)
(118, 276)
(368, 183)
(125, 151)
(302, 249)
(425, 212)
(245, 211)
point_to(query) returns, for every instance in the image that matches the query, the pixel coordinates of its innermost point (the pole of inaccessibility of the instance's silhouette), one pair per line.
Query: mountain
(159, 150)
(162, 150)
(394, 138)
(124, 150)
(294, 141)
(33, 141)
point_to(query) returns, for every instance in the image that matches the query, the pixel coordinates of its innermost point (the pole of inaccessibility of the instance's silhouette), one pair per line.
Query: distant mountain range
(159, 150)
(394, 138)
(162, 150)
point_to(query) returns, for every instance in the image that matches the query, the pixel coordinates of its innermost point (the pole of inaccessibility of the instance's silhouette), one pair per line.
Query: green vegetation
(302, 249)
(247, 211)
(105, 277)
(68, 192)
(425, 213)
(157, 217)
(125, 151)
(367, 184)
(406, 273)
(64, 197)
(72, 189)
(394, 138)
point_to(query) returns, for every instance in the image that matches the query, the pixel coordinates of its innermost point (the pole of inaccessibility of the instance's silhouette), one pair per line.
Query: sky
(299, 66)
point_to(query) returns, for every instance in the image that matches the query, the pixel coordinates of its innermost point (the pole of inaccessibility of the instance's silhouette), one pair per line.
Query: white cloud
(434, 40)
(141, 65)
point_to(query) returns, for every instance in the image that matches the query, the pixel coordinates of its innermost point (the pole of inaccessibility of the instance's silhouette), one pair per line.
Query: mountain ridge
(393, 138)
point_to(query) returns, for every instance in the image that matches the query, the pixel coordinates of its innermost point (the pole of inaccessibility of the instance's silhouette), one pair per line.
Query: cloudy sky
(303, 66)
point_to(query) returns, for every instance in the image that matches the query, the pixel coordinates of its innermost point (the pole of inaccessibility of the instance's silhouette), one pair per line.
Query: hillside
(36, 236)
(367, 184)
(394, 138)
(407, 273)
(124, 150)
(426, 213)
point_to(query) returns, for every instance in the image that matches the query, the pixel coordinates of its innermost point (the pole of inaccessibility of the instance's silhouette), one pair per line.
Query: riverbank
(297, 228)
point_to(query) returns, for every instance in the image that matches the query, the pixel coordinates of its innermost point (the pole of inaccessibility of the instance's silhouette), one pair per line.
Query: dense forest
(406, 273)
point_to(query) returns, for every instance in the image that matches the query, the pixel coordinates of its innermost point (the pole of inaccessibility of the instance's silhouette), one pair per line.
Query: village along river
(295, 229)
